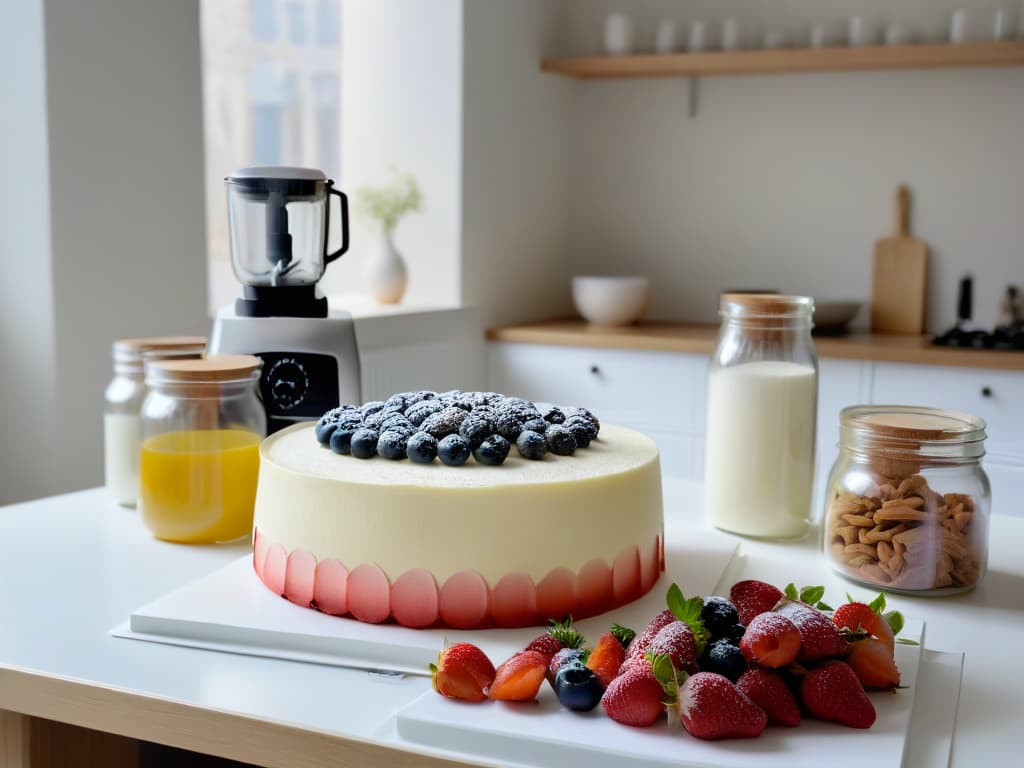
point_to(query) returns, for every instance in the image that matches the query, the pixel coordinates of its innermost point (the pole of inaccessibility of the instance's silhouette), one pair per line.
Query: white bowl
(834, 316)
(611, 300)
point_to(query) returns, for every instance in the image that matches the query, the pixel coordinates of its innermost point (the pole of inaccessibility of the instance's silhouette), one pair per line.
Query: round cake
(426, 544)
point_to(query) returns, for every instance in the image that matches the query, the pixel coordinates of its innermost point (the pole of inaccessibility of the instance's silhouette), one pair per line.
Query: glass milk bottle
(762, 404)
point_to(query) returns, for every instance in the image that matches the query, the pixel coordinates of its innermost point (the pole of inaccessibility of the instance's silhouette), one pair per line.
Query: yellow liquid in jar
(199, 486)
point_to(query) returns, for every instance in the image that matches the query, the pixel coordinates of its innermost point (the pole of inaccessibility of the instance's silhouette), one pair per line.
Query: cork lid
(212, 369)
(158, 343)
(766, 305)
(914, 423)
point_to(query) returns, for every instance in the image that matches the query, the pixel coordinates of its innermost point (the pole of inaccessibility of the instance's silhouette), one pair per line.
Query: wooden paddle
(900, 270)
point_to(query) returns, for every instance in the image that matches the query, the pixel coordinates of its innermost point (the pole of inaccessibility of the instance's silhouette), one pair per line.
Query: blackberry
(492, 451)
(371, 407)
(719, 615)
(421, 448)
(374, 419)
(397, 400)
(453, 450)
(553, 415)
(364, 443)
(589, 416)
(507, 423)
(396, 420)
(583, 422)
(580, 432)
(536, 425)
(392, 443)
(341, 439)
(560, 440)
(417, 412)
(444, 423)
(476, 429)
(531, 445)
(421, 396)
(725, 659)
(463, 401)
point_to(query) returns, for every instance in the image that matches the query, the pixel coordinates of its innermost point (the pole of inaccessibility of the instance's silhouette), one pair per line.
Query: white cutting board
(231, 610)
(544, 734)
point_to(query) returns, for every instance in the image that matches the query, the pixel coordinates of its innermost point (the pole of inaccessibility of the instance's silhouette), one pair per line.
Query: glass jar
(122, 402)
(762, 405)
(202, 424)
(907, 506)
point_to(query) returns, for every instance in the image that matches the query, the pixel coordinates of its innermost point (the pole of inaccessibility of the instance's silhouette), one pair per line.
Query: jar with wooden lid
(122, 402)
(202, 423)
(907, 505)
(761, 411)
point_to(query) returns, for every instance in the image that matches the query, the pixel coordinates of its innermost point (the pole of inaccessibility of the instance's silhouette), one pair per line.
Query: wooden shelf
(790, 60)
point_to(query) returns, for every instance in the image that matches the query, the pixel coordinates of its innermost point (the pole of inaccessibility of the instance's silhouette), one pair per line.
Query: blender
(279, 227)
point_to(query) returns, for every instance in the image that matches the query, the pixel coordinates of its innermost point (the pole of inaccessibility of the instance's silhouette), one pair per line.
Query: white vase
(385, 270)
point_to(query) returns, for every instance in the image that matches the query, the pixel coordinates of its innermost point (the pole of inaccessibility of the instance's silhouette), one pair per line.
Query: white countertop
(73, 566)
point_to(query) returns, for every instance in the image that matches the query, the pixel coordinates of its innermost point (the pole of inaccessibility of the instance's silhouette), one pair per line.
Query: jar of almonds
(908, 502)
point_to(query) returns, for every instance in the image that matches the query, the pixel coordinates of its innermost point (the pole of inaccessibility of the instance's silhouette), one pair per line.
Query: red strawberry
(519, 678)
(635, 697)
(767, 689)
(873, 663)
(770, 640)
(833, 692)
(711, 707)
(642, 641)
(860, 617)
(752, 597)
(676, 641)
(819, 637)
(609, 653)
(462, 671)
(559, 635)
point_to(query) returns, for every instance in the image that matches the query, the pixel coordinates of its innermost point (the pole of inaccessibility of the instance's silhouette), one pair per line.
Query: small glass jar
(122, 402)
(907, 506)
(762, 405)
(202, 424)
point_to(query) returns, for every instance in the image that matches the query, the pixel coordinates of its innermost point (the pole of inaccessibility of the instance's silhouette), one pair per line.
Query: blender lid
(283, 172)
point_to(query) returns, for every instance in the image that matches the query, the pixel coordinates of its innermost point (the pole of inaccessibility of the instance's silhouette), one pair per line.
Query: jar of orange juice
(202, 424)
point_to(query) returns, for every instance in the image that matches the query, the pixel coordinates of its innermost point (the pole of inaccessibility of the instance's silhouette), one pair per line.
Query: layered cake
(442, 525)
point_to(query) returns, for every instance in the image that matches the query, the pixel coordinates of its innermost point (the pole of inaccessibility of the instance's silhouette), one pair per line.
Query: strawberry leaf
(433, 669)
(849, 598)
(906, 641)
(895, 621)
(878, 604)
(675, 600)
(688, 612)
(823, 606)
(811, 595)
(666, 673)
(791, 591)
(623, 634)
(565, 633)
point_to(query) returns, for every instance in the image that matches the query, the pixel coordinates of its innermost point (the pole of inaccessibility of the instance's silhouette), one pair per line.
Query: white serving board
(231, 610)
(544, 734)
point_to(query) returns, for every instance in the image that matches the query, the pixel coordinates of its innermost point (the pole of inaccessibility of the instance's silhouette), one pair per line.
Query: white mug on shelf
(818, 37)
(958, 26)
(665, 36)
(730, 35)
(857, 32)
(695, 42)
(1001, 24)
(618, 34)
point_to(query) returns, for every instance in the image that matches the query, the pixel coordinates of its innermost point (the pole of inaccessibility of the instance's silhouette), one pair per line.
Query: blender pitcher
(279, 224)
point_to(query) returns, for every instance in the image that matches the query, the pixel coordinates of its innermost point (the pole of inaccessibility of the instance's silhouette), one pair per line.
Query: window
(272, 96)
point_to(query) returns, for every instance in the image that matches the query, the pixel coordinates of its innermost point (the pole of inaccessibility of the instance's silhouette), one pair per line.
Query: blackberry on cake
(418, 412)
(476, 428)
(371, 407)
(553, 415)
(536, 424)
(444, 423)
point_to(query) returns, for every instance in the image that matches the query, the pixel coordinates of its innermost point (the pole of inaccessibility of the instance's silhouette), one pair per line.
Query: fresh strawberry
(561, 634)
(711, 707)
(767, 689)
(636, 697)
(564, 656)
(676, 641)
(873, 663)
(861, 617)
(519, 678)
(638, 647)
(833, 692)
(462, 671)
(609, 653)
(819, 637)
(771, 640)
(752, 597)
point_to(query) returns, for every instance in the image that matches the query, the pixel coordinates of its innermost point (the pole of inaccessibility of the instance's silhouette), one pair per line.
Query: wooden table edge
(211, 731)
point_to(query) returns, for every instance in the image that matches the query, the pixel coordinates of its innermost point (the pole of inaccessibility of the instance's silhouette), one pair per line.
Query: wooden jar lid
(914, 423)
(158, 342)
(767, 304)
(215, 368)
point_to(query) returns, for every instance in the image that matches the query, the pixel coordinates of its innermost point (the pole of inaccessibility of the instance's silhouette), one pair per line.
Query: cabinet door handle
(986, 391)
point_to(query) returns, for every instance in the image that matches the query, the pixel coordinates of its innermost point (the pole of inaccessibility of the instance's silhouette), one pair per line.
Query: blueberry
(371, 407)
(341, 440)
(444, 423)
(531, 445)
(735, 633)
(560, 440)
(553, 415)
(578, 688)
(580, 432)
(536, 424)
(725, 659)
(391, 444)
(492, 451)
(323, 431)
(507, 423)
(421, 448)
(476, 428)
(588, 415)
(453, 450)
(419, 411)
(718, 615)
(364, 443)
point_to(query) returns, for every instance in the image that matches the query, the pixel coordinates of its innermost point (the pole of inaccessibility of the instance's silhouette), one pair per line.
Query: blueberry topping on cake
(507, 422)
(341, 439)
(322, 431)
(492, 451)
(531, 445)
(444, 423)
(453, 450)
(580, 431)
(364, 443)
(560, 440)
(371, 407)
(421, 448)
(418, 412)
(554, 415)
(536, 425)
(391, 444)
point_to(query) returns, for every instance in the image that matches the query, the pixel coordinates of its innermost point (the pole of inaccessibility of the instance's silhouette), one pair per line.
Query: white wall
(515, 152)
(786, 181)
(122, 249)
(401, 106)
